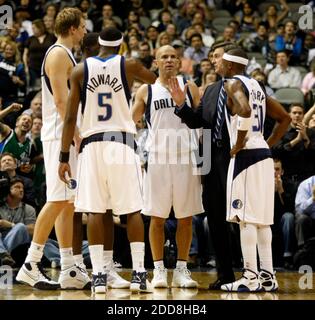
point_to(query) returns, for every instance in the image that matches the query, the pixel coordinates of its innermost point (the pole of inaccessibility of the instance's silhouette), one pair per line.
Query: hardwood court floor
(290, 284)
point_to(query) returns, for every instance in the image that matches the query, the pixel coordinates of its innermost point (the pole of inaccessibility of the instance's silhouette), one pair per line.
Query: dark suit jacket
(214, 183)
(205, 116)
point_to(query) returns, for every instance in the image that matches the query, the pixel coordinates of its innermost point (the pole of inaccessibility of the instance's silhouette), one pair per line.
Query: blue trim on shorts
(126, 138)
(248, 157)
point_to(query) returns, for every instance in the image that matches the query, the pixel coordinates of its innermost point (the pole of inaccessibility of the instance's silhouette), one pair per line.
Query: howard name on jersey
(103, 79)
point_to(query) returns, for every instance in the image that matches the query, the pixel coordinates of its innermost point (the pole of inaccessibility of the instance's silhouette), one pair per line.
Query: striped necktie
(220, 115)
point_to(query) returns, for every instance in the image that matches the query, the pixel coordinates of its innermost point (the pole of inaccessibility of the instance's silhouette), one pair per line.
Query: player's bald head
(163, 49)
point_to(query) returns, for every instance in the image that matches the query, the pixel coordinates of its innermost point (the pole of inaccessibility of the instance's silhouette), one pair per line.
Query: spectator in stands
(145, 56)
(35, 106)
(261, 77)
(8, 163)
(84, 6)
(107, 14)
(247, 17)
(208, 77)
(259, 41)
(133, 47)
(273, 16)
(133, 20)
(290, 42)
(309, 79)
(163, 39)
(196, 51)
(207, 39)
(19, 144)
(39, 170)
(309, 117)
(283, 76)
(17, 221)
(49, 23)
(12, 78)
(164, 19)
(296, 149)
(186, 15)
(308, 50)
(229, 35)
(305, 211)
(284, 213)
(200, 69)
(34, 51)
(51, 10)
(152, 36)
(186, 67)
(172, 31)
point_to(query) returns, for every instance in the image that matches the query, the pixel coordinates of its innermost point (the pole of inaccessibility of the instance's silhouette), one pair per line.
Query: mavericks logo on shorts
(237, 204)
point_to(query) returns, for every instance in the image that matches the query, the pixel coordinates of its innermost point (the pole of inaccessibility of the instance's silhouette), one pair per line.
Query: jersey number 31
(102, 97)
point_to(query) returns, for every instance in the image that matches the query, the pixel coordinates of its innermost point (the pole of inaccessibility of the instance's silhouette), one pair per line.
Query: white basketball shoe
(249, 282)
(159, 278)
(74, 278)
(182, 279)
(34, 275)
(268, 281)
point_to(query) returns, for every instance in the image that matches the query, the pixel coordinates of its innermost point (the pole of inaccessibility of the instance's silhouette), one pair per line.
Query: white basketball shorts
(56, 189)
(167, 185)
(109, 176)
(250, 187)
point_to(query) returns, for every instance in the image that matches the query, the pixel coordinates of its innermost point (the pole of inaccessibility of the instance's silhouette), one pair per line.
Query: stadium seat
(288, 96)
(222, 13)
(220, 23)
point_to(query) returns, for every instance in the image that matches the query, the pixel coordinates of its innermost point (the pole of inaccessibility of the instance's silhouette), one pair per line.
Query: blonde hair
(67, 18)
(17, 55)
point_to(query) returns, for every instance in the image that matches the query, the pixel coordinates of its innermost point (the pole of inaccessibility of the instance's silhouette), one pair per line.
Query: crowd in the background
(282, 56)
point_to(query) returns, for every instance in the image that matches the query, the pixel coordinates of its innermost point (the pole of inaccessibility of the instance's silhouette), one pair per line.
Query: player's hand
(236, 148)
(178, 95)
(64, 171)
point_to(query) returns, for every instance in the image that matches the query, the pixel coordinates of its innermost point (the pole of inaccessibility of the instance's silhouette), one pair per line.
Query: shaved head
(162, 49)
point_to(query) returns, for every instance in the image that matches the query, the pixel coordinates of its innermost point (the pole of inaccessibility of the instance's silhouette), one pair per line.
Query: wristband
(244, 124)
(64, 156)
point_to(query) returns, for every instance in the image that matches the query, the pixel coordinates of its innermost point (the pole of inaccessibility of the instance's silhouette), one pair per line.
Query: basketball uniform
(250, 181)
(51, 133)
(170, 179)
(109, 172)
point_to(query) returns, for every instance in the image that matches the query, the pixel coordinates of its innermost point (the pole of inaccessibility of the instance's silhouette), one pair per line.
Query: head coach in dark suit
(214, 191)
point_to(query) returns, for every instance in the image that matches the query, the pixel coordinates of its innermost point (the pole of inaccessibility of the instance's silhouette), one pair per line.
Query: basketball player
(108, 167)
(56, 69)
(250, 192)
(90, 47)
(171, 183)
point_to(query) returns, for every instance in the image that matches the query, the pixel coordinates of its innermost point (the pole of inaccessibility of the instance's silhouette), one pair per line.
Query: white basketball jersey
(106, 97)
(167, 132)
(257, 103)
(52, 122)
